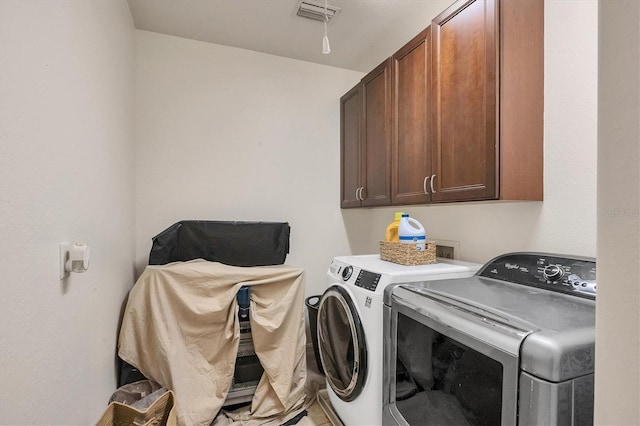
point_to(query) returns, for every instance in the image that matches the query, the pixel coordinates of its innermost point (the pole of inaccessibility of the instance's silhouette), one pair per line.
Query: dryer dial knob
(553, 272)
(346, 272)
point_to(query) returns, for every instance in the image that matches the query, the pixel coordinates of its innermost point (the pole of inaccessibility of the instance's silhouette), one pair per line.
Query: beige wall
(230, 134)
(66, 174)
(618, 305)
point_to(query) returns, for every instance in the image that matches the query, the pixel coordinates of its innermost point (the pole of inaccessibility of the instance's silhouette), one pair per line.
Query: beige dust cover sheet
(181, 329)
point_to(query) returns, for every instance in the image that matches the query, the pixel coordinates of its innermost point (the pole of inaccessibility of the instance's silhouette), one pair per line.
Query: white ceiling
(362, 34)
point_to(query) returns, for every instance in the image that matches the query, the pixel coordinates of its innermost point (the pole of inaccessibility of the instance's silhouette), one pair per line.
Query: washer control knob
(553, 272)
(346, 272)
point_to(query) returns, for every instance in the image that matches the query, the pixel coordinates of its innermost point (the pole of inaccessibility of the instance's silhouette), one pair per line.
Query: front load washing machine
(350, 328)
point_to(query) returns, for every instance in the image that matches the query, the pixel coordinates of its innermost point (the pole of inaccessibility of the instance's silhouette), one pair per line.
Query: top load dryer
(512, 345)
(350, 328)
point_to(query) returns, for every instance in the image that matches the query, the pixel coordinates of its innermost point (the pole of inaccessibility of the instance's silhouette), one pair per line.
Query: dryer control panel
(571, 275)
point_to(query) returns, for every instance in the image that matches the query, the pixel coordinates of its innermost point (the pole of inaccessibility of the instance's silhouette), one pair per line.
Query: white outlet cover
(64, 256)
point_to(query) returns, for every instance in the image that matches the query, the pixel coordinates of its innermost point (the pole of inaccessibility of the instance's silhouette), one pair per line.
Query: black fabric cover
(231, 243)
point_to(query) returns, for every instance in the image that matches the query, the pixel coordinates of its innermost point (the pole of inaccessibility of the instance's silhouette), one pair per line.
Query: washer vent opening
(315, 10)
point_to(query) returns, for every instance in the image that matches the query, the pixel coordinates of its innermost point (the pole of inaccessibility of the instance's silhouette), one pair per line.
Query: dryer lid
(561, 342)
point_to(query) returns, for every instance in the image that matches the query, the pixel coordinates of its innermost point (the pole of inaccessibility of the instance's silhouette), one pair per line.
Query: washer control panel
(571, 275)
(367, 280)
(354, 275)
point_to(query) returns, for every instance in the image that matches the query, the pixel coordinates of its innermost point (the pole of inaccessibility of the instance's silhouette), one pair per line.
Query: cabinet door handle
(361, 191)
(357, 190)
(433, 178)
(424, 185)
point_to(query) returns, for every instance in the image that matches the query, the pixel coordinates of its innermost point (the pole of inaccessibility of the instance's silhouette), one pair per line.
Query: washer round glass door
(341, 340)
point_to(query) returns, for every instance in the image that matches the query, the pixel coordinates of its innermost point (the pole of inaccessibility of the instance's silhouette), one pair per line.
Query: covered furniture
(181, 326)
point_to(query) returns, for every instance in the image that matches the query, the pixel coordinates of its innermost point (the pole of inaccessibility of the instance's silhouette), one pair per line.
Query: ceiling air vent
(315, 10)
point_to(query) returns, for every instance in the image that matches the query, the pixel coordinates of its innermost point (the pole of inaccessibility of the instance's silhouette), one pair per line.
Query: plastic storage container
(410, 231)
(392, 229)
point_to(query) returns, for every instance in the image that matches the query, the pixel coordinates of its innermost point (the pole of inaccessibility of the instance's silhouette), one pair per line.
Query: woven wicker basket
(406, 254)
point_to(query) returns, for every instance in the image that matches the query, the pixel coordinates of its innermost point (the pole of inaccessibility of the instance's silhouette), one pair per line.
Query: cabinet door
(376, 136)
(411, 157)
(465, 103)
(350, 158)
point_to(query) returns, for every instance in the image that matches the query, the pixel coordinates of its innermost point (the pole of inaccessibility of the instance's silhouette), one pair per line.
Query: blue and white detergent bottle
(410, 231)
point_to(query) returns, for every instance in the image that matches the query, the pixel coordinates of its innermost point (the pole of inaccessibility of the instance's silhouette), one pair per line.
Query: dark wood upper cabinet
(454, 115)
(521, 100)
(350, 130)
(376, 136)
(366, 141)
(487, 101)
(465, 102)
(411, 138)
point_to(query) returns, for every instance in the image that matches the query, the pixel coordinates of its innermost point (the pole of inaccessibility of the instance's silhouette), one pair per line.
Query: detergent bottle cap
(398, 215)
